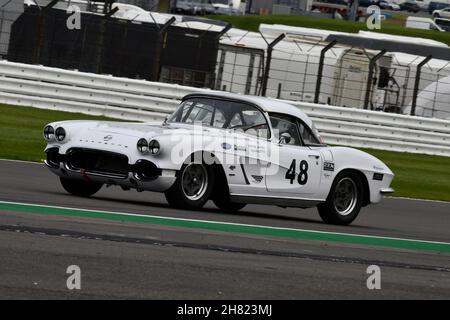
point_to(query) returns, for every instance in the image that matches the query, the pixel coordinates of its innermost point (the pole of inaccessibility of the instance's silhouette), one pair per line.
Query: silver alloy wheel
(194, 181)
(345, 196)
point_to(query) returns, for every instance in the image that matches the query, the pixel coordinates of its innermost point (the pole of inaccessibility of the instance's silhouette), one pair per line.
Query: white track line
(416, 199)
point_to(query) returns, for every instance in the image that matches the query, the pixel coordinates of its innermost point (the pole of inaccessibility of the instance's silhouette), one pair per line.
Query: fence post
(51, 5)
(248, 9)
(223, 31)
(107, 6)
(268, 61)
(214, 77)
(167, 24)
(372, 63)
(43, 11)
(353, 16)
(3, 54)
(320, 71)
(416, 83)
(101, 40)
(162, 33)
(279, 91)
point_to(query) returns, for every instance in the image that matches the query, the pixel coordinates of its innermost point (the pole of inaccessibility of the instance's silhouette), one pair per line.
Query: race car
(229, 148)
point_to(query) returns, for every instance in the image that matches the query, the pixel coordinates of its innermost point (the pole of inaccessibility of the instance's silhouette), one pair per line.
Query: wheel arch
(220, 181)
(365, 183)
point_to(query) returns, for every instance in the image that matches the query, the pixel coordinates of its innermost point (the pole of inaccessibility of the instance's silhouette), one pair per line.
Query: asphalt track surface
(120, 258)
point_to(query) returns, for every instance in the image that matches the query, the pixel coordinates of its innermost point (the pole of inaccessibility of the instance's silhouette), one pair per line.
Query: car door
(294, 169)
(248, 142)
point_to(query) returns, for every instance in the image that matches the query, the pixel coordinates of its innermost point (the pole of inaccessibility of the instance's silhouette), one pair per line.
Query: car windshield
(222, 114)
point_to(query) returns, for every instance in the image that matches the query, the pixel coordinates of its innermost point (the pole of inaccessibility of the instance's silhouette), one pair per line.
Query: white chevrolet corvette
(230, 149)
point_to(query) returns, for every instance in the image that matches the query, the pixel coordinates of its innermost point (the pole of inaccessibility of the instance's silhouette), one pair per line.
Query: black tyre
(344, 200)
(227, 205)
(222, 199)
(80, 188)
(192, 188)
(221, 194)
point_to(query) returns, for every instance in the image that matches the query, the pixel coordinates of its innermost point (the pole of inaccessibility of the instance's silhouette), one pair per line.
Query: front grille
(146, 170)
(53, 157)
(98, 162)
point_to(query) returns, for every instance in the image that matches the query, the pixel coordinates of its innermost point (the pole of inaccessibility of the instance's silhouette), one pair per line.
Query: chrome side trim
(387, 190)
(275, 200)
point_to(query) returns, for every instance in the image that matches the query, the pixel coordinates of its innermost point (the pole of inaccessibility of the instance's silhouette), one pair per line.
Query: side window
(252, 117)
(200, 113)
(307, 135)
(236, 120)
(219, 119)
(249, 120)
(282, 124)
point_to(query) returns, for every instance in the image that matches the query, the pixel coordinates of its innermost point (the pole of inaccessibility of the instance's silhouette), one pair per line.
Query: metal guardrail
(59, 89)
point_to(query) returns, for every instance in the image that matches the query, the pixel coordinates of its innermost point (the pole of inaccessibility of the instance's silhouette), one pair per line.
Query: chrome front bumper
(386, 190)
(159, 181)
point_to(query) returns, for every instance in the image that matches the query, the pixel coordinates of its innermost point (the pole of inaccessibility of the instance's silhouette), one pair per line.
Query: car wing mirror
(285, 138)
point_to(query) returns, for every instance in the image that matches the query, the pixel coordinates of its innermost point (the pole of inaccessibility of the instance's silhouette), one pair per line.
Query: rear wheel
(80, 188)
(192, 188)
(344, 201)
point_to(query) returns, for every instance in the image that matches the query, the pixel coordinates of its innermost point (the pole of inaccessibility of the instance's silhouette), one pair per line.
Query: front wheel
(80, 188)
(344, 200)
(192, 188)
(224, 203)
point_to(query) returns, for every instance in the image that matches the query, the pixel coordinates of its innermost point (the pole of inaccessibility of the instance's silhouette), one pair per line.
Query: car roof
(266, 104)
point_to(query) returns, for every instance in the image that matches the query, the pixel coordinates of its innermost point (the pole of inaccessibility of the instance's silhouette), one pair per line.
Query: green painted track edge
(364, 240)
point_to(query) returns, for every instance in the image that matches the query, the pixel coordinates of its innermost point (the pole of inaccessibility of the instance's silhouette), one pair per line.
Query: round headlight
(60, 134)
(142, 145)
(49, 133)
(154, 147)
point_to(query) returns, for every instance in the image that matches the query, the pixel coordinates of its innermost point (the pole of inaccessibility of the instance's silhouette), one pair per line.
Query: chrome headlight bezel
(60, 134)
(142, 146)
(154, 147)
(49, 133)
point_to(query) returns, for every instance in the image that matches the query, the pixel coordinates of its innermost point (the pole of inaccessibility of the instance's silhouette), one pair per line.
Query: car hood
(136, 130)
(98, 130)
(145, 130)
(94, 128)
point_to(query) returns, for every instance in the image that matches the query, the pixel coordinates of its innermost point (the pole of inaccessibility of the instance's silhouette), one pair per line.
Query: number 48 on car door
(302, 176)
(297, 167)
